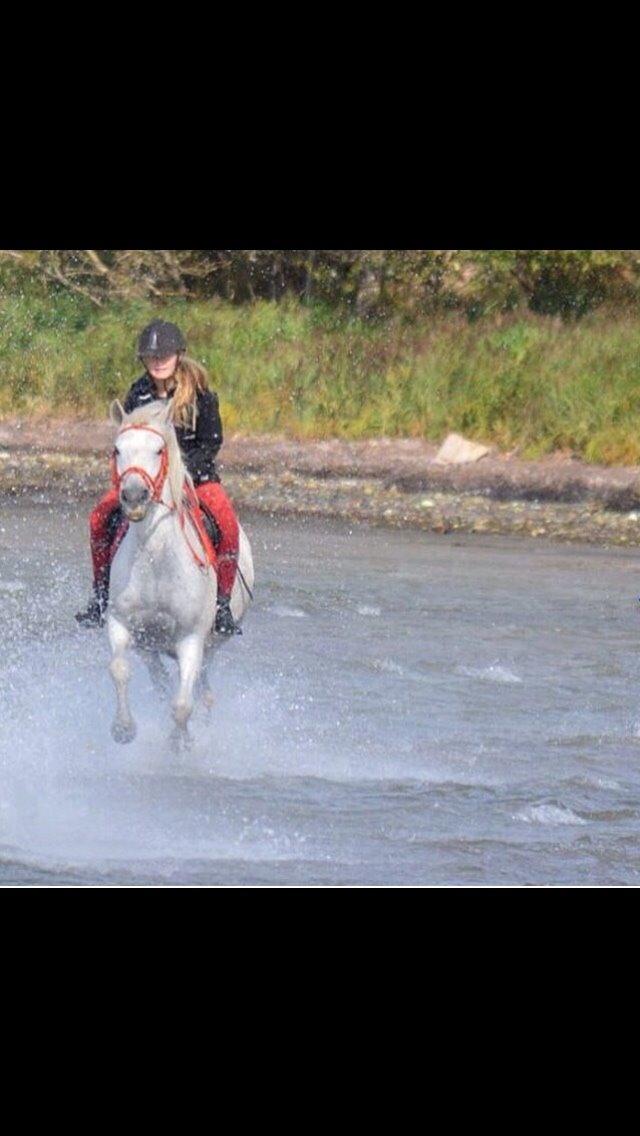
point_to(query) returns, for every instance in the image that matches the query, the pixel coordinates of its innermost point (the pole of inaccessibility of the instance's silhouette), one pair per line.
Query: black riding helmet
(160, 339)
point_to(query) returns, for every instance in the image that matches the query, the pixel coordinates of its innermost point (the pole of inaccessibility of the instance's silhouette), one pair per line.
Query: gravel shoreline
(393, 482)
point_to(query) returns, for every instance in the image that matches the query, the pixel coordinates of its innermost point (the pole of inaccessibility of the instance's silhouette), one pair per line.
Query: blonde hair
(189, 378)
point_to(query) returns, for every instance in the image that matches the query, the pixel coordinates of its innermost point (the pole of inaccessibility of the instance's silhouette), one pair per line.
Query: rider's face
(160, 369)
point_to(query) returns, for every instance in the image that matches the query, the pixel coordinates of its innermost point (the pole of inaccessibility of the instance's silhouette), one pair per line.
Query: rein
(155, 486)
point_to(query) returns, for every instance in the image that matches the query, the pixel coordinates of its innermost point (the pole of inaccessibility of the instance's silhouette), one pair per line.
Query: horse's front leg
(189, 651)
(123, 728)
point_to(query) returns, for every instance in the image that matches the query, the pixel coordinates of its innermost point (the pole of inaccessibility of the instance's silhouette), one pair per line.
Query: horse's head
(145, 457)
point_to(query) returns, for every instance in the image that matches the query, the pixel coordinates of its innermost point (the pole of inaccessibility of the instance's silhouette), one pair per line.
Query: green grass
(530, 382)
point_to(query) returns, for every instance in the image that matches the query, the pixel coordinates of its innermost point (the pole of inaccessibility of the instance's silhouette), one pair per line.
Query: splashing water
(436, 732)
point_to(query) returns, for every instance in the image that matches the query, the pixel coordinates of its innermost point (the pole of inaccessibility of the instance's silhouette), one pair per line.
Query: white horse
(163, 590)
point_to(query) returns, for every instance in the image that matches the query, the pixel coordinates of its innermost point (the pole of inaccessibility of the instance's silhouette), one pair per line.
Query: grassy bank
(530, 382)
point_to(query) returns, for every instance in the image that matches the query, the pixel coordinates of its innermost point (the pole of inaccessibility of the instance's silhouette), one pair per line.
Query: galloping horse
(163, 586)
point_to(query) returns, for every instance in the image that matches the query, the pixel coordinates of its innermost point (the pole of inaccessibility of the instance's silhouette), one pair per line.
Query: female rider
(170, 374)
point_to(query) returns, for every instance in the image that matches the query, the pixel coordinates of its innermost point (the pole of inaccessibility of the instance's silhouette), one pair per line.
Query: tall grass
(529, 382)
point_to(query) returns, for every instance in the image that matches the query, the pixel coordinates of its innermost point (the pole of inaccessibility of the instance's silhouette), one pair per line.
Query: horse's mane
(155, 414)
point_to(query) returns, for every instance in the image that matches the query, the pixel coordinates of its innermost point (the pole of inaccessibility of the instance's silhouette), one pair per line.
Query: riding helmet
(161, 338)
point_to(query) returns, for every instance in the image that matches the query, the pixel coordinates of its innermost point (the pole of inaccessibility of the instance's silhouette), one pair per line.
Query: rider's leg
(102, 532)
(213, 498)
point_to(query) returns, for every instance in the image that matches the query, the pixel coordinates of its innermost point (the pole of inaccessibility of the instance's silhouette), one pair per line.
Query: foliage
(370, 283)
(518, 381)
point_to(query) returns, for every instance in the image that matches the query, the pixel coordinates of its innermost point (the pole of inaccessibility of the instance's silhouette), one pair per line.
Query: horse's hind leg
(203, 689)
(158, 672)
(123, 728)
(189, 651)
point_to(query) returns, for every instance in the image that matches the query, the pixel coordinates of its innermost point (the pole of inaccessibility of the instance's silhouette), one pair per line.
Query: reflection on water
(403, 708)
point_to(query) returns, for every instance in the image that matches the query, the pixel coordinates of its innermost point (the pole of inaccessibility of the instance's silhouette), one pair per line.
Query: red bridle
(155, 485)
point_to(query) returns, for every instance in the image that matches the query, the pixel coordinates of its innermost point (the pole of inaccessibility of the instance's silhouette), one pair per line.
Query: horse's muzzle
(134, 499)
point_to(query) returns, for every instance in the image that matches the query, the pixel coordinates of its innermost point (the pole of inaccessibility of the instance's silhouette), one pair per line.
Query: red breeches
(100, 528)
(212, 498)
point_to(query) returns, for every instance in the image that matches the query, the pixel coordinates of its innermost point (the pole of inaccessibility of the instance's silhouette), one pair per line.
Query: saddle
(212, 527)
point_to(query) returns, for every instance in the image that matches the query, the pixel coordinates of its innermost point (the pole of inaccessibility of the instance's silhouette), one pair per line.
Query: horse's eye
(160, 450)
(116, 452)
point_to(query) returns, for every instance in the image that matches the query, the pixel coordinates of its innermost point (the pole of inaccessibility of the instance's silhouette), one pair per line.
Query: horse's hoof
(181, 714)
(181, 741)
(123, 734)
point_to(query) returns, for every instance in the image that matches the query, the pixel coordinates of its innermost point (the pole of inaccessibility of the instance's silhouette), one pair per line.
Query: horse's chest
(157, 592)
(157, 587)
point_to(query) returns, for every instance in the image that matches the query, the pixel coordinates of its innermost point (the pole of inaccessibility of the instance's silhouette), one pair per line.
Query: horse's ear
(167, 414)
(116, 413)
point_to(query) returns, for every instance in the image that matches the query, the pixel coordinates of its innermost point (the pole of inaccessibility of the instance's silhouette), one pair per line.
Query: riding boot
(94, 616)
(225, 623)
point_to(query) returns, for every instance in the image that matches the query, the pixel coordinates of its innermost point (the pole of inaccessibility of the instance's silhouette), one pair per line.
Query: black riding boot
(94, 615)
(225, 623)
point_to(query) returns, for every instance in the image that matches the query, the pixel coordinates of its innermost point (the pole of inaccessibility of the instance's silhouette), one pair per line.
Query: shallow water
(403, 708)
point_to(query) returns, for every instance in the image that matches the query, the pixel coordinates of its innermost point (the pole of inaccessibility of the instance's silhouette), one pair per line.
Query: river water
(403, 708)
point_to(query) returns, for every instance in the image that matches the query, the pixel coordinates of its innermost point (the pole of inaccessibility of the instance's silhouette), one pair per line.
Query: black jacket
(200, 446)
